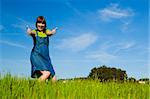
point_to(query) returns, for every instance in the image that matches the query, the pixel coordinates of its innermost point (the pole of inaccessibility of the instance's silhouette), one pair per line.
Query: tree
(144, 79)
(131, 79)
(105, 73)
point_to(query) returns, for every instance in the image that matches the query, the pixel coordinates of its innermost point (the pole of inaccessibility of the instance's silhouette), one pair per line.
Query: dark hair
(41, 19)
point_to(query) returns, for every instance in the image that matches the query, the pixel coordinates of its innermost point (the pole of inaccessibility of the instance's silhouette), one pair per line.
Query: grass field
(23, 88)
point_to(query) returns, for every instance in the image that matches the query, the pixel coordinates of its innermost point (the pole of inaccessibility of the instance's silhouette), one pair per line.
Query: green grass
(21, 88)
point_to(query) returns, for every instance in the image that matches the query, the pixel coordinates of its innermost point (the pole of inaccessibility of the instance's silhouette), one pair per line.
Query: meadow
(26, 88)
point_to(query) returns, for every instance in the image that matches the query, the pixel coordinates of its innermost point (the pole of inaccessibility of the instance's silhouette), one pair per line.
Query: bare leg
(54, 79)
(44, 76)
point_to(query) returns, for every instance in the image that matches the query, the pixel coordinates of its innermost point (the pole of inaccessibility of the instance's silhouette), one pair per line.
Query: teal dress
(40, 59)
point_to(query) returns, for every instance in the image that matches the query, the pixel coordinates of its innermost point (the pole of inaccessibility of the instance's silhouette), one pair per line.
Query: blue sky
(91, 33)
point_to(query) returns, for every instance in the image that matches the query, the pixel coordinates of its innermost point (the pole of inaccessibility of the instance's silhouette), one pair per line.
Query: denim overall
(40, 59)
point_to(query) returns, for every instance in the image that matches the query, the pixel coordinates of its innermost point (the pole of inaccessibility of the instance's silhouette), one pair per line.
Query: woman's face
(40, 26)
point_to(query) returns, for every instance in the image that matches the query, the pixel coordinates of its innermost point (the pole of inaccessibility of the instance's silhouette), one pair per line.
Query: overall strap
(36, 32)
(37, 41)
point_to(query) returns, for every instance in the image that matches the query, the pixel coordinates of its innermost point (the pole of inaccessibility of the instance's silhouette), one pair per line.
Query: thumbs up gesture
(28, 29)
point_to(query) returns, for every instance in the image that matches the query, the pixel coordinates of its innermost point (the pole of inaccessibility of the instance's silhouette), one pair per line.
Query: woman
(40, 60)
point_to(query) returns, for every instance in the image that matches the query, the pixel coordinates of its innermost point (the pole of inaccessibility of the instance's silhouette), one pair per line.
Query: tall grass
(23, 88)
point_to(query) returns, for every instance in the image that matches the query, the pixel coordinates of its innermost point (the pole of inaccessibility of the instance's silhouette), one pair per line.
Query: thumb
(27, 26)
(55, 28)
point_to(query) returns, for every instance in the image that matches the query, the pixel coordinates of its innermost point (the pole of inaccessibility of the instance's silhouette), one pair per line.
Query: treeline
(105, 74)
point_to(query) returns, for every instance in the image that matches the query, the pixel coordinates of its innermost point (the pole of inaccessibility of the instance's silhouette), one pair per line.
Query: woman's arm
(30, 31)
(51, 32)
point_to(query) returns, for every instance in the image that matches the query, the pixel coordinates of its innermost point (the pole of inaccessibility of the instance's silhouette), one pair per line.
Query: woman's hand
(29, 30)
(54, 30)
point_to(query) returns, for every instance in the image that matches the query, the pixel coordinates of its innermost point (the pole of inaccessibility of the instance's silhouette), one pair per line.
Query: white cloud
(13, 44)
(107, 52)
(78, 43)
(117, 45)
(127, 45)
(114, 12)
(22, 24)
(75, 10)
(101, 56)
(124, 46)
